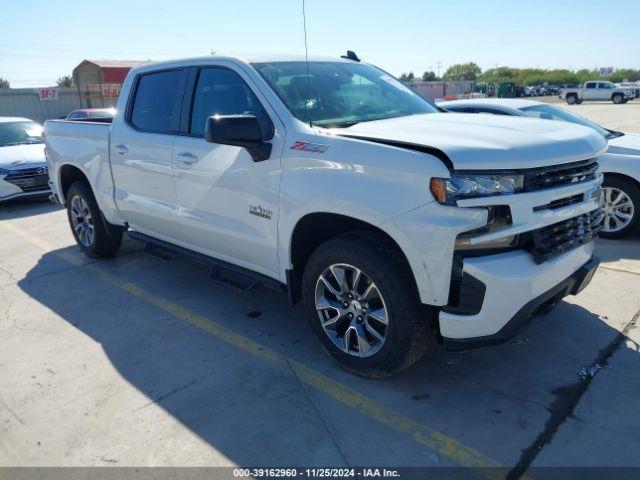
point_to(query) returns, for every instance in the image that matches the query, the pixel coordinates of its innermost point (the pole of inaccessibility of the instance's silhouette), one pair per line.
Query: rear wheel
(571, 99)
(363, 306)
(87, 225)
(621, 207)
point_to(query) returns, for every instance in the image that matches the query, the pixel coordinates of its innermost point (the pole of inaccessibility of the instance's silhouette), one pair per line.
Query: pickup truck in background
(596, 91)
(396, 224)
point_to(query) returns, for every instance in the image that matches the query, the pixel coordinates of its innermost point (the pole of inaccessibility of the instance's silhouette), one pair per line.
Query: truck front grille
(550, 241)
(557, 175)
(30, 179)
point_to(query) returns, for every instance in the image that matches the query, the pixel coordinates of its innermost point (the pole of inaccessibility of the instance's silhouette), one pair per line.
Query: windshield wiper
(340, 124)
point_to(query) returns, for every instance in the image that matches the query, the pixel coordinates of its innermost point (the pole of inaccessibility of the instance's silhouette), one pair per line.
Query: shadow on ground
(19, 208)
(499, 401)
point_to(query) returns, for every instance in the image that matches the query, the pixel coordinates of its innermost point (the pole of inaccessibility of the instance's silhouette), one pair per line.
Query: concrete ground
(134, 361)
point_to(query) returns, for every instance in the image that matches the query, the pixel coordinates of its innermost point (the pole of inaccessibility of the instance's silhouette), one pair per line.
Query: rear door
(142, 153)
(227, 202)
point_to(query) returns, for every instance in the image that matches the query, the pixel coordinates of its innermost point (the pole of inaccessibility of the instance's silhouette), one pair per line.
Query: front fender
(377, 184)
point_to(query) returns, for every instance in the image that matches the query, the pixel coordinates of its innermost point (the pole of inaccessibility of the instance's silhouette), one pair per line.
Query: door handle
(121, 149)
(187, 158)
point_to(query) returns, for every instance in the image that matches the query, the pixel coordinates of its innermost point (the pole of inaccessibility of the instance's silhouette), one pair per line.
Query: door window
(222, 92)
(591, 85)
(157, 101)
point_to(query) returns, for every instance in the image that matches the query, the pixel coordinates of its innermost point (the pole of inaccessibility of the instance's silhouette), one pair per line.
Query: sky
(41, 41)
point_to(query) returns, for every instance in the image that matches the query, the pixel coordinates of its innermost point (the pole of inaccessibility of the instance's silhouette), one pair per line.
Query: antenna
(306, 59)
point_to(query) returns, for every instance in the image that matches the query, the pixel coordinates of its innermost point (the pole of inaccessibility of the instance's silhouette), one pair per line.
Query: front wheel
(87, 225)
(617, 98)
(621, 202)
(363, 305)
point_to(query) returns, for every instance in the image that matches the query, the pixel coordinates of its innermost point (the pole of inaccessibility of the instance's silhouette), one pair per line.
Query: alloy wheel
(351, 310)
(618, 210)
(82, 221)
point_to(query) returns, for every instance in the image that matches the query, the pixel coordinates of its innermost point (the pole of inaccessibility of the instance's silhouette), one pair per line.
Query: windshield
(340, 94)
(20, 133)
(549, 112)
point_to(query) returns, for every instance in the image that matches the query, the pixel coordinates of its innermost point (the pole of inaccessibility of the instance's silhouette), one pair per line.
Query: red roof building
(99, 81)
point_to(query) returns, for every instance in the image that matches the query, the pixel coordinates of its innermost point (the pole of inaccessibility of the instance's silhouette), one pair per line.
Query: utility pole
(439, 64)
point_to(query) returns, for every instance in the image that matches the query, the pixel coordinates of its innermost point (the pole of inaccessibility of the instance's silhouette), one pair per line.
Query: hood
(487, 142)
(19, 155)
(628, 144)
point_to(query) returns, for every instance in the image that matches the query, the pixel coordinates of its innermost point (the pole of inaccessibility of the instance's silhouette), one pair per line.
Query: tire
(617, 98)
(410, 327)
(571, 99)
(612, 186)
(87, 224)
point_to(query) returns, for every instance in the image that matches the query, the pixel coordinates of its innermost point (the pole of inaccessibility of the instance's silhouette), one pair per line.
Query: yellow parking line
(608, 266)
(431, 438)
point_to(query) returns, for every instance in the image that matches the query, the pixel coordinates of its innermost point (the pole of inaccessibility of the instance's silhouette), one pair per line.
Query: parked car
(23, 168)
(620, 164)
(596, 91)
(96, 114)
(395, 223)
(530, 91)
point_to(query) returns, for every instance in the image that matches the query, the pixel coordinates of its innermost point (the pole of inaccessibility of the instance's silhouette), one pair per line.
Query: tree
(407, 77)
(429, 76)
(627, 73)
(65, 81)
(499, 75)
(4, 83)
(463, 71)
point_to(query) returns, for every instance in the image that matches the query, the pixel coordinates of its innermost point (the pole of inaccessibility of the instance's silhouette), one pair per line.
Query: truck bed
(79, 147)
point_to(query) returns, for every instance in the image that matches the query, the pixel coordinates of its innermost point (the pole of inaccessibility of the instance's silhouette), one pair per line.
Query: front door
(142, 154)
(228, 203)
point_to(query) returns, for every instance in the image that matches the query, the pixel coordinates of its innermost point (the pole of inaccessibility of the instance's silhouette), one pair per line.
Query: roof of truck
(245, 59)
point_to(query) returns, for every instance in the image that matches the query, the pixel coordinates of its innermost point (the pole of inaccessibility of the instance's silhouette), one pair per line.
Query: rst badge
(258, 211)
(305, 146)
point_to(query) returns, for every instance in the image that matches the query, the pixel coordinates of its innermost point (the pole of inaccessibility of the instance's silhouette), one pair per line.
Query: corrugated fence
(26, 102)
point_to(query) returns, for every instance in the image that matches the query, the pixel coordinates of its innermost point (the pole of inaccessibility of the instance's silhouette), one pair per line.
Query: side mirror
(240, 131)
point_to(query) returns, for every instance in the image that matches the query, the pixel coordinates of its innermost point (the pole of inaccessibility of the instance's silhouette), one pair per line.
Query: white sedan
(23, 168)
(620, 164)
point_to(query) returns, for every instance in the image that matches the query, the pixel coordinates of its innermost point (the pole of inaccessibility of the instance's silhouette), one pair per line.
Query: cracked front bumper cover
(572, 285)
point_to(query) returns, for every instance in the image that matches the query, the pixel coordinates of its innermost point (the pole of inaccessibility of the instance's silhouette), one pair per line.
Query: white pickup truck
(601, 90)
(395, 223)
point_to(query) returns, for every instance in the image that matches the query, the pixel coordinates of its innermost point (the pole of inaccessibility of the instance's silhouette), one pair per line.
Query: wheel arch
(313, 229)
(67, 175)
(622, 176)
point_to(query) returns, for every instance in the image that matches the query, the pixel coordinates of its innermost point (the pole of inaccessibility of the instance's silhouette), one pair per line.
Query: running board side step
(224, 273)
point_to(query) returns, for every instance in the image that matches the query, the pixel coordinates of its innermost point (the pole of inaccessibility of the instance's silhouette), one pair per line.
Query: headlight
(469, 185)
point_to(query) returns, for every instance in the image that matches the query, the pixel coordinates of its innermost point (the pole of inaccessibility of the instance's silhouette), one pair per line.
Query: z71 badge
(309, 147)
